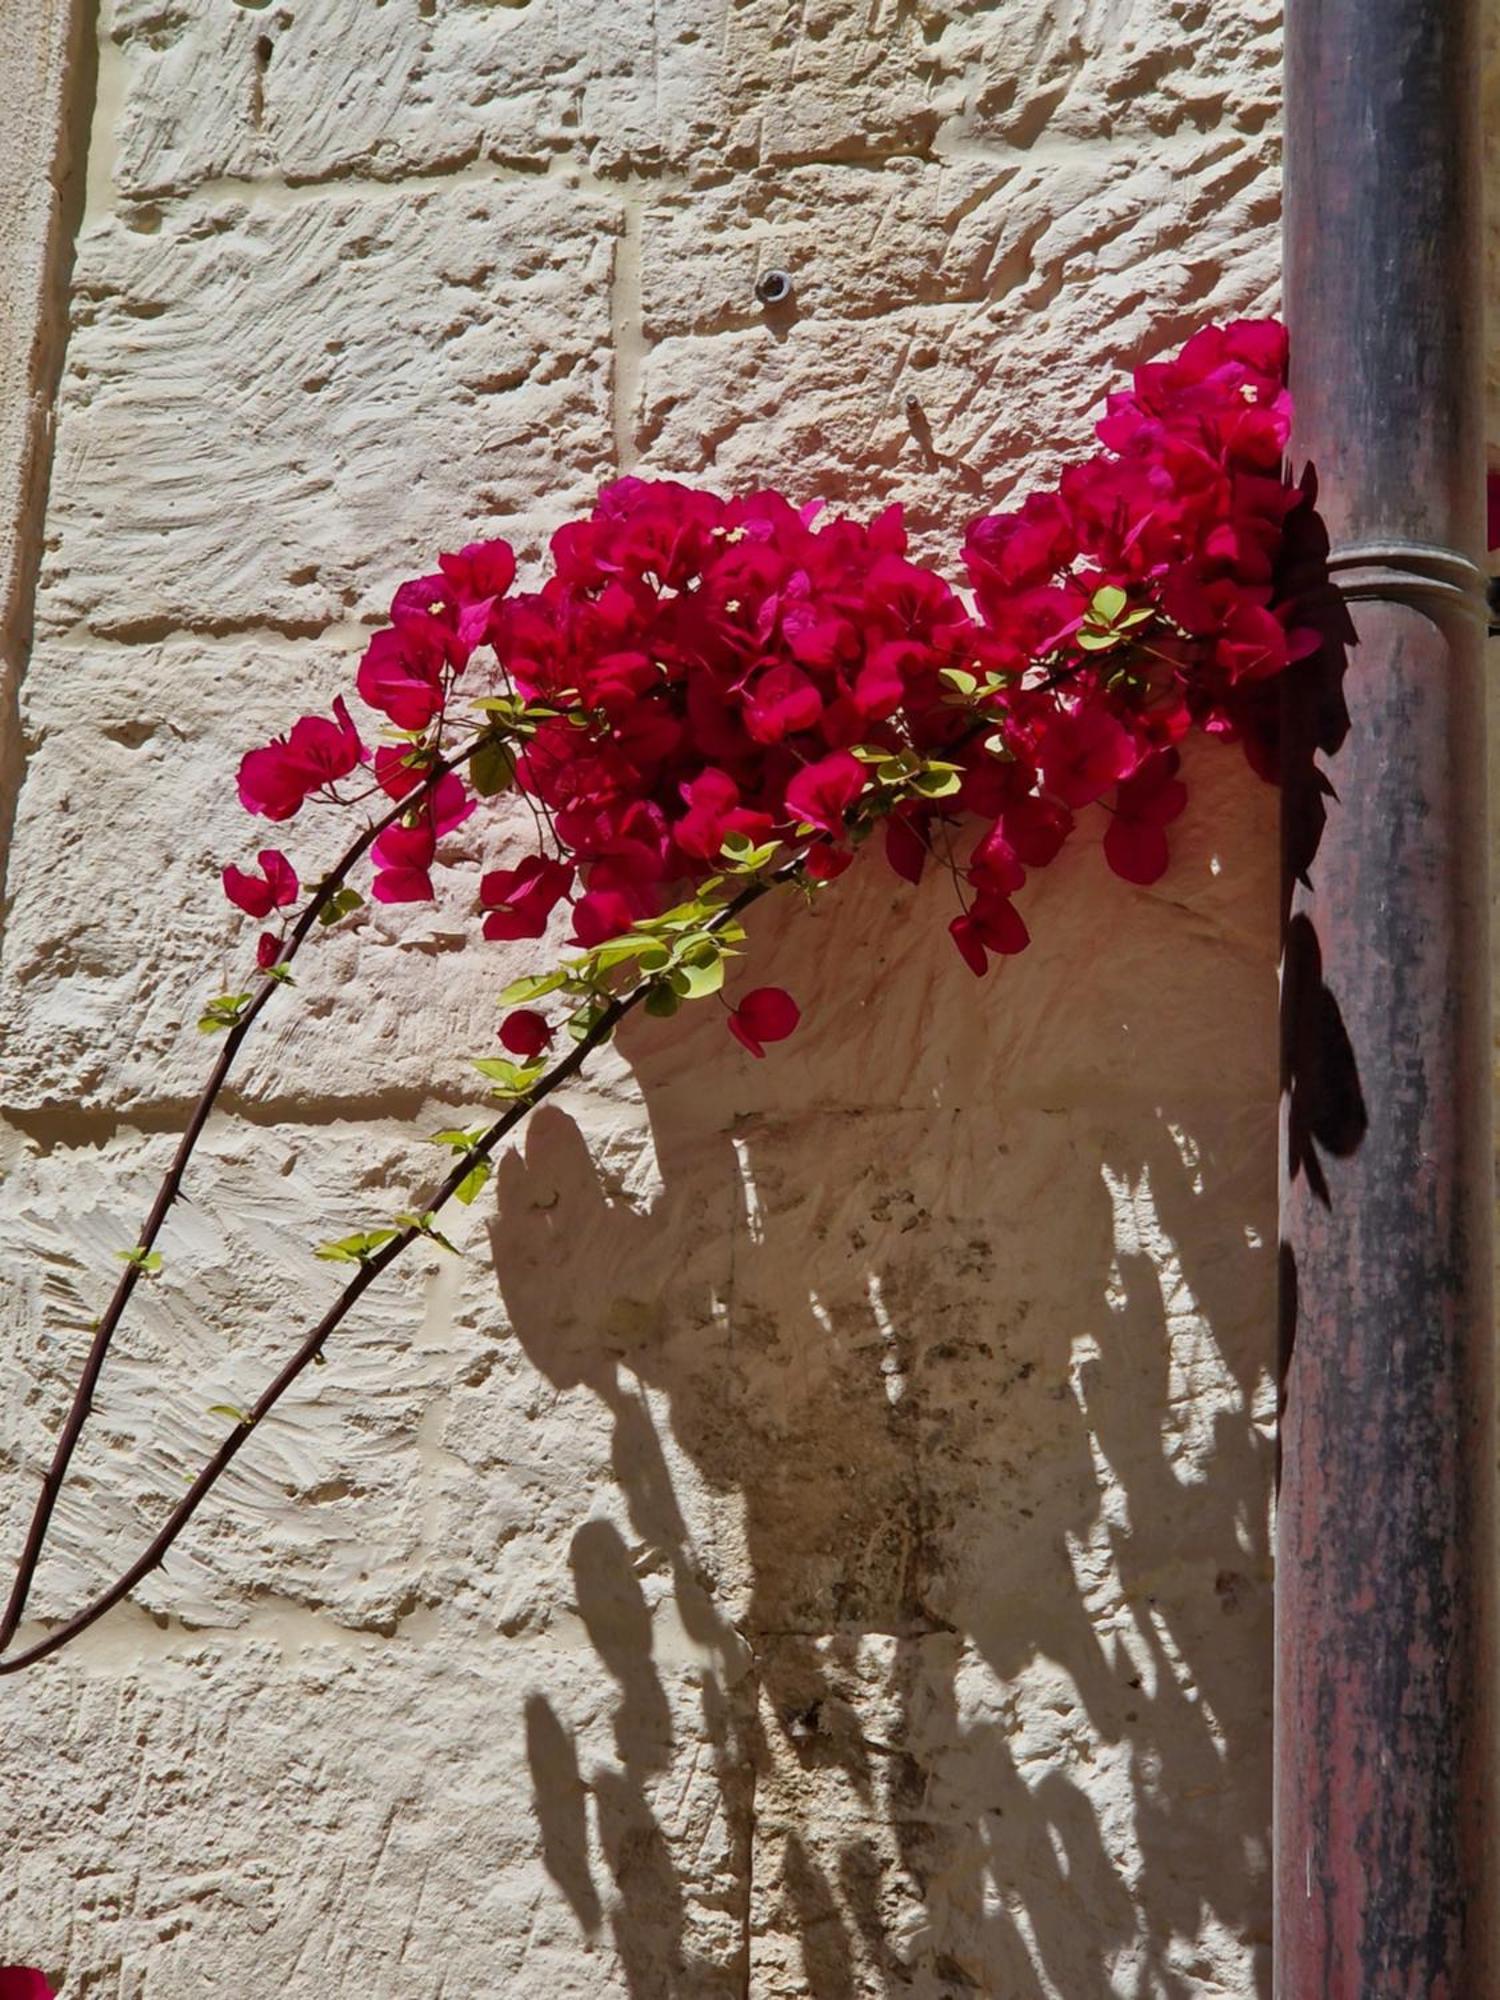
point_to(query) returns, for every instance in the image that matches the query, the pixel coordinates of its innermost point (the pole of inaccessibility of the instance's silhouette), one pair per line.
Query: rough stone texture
(314, 385)
(677, 85)
(35, 46)
(815, 1542)
(40, 44)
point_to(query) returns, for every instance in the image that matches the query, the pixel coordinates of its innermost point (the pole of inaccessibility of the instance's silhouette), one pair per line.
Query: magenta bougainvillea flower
(767, 1014)
(273, 889)
(519, 901)
(405, 852)
(406, 668)
(24, 1982)
(1135, 841)
(823, 792)
(525, 1033)
(277, 780)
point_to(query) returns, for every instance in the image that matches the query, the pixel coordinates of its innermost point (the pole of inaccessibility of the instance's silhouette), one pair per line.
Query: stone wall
(816, 1541)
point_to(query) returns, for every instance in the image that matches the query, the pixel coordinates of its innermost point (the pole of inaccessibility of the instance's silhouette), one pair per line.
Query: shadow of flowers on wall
(931, 1597)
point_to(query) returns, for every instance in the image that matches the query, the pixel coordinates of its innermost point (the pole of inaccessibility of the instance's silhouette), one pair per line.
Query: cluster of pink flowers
(731, 655)
(696, 670)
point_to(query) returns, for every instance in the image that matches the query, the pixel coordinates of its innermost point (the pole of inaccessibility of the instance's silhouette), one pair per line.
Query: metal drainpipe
(1383, 1760)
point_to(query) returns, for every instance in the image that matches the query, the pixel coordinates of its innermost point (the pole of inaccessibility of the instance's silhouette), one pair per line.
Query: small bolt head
(773, 288)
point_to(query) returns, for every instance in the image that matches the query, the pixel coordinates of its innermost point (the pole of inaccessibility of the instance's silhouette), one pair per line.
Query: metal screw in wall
(774, 288)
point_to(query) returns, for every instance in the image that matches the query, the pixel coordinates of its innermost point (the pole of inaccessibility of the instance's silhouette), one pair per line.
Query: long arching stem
(171, 1185)
(370, 1269)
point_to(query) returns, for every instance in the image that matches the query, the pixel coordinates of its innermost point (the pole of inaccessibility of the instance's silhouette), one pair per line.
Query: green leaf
(582, 1024)
(456, 1140)
(474, 1183)
(619, 951)
(743, 856)
(697, 981)
(282, 974)
(232, 1411)
(508, 1079)
(147, 1261)
(354, 1249)
(425, 1224)
(937, 783)
(685, 916)
(1108, 603)
(895, 770)
(662, 1003)
(339, 904)
(515, 717)
(532, 987)
(223, 1011)
(1098, 642)
(960, 680)
(756, 859)
(492, 769)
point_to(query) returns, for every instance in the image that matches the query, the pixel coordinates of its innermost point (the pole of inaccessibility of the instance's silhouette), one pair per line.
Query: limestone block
(1004, 1720)
(1084, 70)
(367, 1818)
(681, 85)
(272, 413)
(100, 1001)
(863, 244)
(289, 91)
(958, 368)
(339, 1476)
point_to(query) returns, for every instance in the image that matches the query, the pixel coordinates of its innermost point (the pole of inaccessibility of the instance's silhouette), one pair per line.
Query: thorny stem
(311, 1348)
(171, 1185)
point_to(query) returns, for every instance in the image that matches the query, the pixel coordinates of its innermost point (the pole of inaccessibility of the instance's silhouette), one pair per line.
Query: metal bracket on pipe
(1413, 570)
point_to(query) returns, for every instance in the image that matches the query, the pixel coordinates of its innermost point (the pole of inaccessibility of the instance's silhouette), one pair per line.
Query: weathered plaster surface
(815, 1542)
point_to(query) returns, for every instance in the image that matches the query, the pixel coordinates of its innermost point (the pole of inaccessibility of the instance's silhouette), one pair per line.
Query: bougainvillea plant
(711, 698)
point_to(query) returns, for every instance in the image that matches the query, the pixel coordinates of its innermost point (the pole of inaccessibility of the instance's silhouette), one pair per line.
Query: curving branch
(371, 1267)
(171, 1185)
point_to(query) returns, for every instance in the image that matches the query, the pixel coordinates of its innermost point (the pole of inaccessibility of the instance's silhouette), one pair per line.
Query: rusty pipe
(1384, 1653)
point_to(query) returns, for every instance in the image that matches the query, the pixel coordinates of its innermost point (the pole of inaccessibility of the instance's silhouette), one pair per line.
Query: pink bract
(768, 1014)
(24, 1982)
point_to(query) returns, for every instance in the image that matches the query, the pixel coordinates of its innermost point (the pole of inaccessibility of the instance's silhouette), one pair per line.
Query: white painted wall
(817, 1542)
